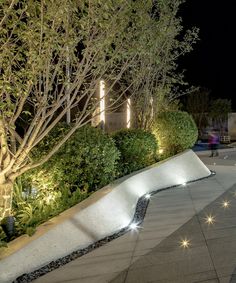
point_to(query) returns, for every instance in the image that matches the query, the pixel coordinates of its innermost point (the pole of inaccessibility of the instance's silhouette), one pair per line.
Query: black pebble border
(139, 215)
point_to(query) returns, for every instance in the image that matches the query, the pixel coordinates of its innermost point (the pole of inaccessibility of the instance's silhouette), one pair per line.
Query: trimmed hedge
(175, 131)
(87, 160)
(137, 148)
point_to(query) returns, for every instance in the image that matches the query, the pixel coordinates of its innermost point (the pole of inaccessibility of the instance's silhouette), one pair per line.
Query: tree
(40, 40)
(219, 110)
(198, 106)
(154, 73)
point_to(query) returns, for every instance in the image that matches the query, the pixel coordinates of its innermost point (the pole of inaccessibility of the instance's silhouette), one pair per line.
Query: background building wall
(115, 121)
(232, 125)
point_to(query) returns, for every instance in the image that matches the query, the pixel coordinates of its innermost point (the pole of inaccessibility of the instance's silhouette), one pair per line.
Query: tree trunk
(6, 191)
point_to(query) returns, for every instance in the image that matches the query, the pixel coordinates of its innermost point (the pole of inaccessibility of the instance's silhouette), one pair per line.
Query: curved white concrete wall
(104, 213)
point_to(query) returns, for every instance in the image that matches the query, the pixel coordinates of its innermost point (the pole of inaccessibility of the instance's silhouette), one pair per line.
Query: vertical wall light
(102, 102)
(68, 113)
(128, 113)
(151, 103)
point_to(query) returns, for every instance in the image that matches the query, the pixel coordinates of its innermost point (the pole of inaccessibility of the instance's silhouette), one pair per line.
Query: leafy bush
(87, 161)
(137, 147)
(175, 131)
(84, 163)
(33, 207)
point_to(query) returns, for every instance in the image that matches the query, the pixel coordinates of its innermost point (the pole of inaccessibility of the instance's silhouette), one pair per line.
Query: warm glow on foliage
(50, 198)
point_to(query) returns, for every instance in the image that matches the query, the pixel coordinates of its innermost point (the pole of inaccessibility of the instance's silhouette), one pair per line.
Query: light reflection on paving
(153, 253)
(210, 257)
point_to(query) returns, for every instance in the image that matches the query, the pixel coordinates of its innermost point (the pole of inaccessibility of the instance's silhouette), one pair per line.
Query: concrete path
(153, 253)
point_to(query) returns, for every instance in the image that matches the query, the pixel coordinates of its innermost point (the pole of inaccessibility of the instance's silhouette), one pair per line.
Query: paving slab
(153, 252)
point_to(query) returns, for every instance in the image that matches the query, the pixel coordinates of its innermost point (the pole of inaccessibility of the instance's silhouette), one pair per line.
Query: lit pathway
(153, 253)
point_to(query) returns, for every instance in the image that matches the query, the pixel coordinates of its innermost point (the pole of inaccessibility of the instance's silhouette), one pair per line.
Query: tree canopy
(53, 55)
(155, 73)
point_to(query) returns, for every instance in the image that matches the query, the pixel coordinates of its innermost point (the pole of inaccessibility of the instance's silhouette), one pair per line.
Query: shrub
(137, 148)
(87, 160)
(175, 131)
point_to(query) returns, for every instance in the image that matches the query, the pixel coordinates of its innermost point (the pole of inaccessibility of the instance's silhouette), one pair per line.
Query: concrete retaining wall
(103, 214)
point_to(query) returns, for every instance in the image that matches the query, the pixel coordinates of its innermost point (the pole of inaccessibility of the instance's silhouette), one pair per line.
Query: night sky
(212, 63)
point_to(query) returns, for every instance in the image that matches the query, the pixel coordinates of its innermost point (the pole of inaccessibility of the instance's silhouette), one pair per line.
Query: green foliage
(175, 131)
(138, 149)
(197, 105)
(220, 108)
(86, 161)
(3, 238)
(45, 146)
(155, 74)
(133, 44)
(33, 207)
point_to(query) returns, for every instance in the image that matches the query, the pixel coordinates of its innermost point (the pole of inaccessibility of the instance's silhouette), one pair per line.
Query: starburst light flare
(148, 196)
(209, 219)
(185, 243)
(225, 204)
(134, 226)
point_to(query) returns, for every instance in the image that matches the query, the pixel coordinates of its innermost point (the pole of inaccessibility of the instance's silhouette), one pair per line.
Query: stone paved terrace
(153, 253)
